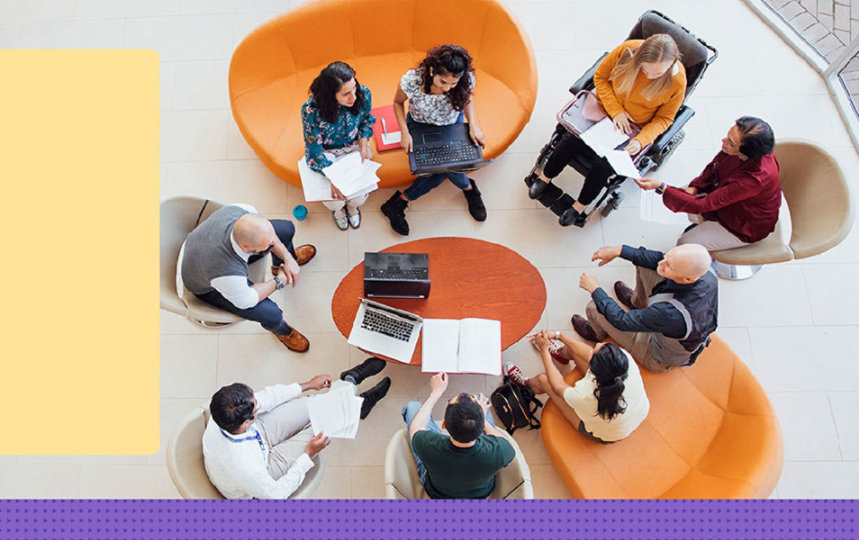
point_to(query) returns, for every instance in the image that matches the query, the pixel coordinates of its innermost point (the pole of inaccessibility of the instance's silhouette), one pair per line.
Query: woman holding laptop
(439, 93)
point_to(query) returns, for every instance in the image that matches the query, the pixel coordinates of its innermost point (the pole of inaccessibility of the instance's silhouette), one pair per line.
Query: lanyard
(257, 437)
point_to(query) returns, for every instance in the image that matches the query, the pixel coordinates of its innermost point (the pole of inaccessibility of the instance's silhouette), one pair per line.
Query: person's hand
(633, 147)
(541, 339)
(406, 141)
(438, 383)
(364, 149)
(623, 122)
(319, 382)
(336, 193)
(691, 190)
(588, 283)
(316, 445)
(606, 254)
(476, 135)
(647, 183)
(288, 272)
(484, 403)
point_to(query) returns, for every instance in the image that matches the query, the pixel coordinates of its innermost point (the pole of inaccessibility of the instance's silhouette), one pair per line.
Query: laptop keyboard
(414, 273)
(387, 325)
(444, 154)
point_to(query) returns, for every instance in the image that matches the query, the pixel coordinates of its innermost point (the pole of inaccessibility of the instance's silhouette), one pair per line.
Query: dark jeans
(267, 313)
(597, 177)
(424, 184)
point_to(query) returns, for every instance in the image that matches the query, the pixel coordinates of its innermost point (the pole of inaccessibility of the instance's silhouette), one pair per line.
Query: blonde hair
(655, 49)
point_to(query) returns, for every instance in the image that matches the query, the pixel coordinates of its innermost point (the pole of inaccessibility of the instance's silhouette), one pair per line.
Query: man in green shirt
(461, 465)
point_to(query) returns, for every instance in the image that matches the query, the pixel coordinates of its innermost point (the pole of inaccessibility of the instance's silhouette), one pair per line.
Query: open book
(461, 346)
(336, 413)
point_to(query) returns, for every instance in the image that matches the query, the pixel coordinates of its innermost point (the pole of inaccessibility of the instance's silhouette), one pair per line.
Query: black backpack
(515, 406)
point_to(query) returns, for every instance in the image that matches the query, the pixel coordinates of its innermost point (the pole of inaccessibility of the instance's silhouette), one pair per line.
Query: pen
(384, 126)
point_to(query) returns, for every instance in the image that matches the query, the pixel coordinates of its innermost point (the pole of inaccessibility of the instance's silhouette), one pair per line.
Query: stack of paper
(347, 173)
(461, 346)
(335, 413)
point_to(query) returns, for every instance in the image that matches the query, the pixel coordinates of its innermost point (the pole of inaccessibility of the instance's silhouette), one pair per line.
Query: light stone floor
(793, 324)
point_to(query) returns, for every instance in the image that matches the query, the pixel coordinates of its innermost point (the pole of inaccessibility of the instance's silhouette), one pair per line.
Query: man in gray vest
(672, 310)
(215, 266)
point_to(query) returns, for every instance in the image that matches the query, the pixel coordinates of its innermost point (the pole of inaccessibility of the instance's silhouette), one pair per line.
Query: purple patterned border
(144, 519)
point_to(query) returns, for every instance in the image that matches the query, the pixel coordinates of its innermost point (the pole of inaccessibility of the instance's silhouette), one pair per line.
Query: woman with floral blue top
(439, 93)
(337, 120)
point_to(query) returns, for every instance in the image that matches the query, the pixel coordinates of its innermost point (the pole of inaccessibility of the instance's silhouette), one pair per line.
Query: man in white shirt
(215, 259)
(260, 444)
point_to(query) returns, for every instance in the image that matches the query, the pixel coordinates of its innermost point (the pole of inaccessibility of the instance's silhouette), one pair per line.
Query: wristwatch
(557, 334)
(661, 188)
(279, 283)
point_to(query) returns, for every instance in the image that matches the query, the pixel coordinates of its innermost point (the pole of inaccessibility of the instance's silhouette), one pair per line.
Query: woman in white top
(439, 94)
(607, 404)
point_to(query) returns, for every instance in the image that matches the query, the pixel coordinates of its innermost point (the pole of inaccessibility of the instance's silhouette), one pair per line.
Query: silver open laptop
(385, 330)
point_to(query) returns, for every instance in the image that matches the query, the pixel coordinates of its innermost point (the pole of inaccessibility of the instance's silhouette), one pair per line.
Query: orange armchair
(271, 70)
(711, 434)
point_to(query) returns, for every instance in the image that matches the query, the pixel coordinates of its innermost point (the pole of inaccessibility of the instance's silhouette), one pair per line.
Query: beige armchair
(179, 216)
(821, 212)
(402, 482)
(186, 468)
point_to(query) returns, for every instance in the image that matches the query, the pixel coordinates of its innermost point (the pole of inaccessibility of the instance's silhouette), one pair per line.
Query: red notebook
(386, 130)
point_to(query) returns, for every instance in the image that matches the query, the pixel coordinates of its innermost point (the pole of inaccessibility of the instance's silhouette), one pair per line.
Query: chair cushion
(711, 433)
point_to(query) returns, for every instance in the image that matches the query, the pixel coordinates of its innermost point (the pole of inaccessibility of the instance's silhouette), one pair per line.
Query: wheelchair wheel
(660, 158)
(612, 204)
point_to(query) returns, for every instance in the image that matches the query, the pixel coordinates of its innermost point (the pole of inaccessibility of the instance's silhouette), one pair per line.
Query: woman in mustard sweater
(640, 84)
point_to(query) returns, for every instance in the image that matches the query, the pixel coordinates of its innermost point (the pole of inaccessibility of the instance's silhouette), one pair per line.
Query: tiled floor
(793, 324)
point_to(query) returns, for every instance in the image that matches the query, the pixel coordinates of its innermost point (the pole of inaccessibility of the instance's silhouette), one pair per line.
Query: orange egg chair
(711, 434)
(272, 68)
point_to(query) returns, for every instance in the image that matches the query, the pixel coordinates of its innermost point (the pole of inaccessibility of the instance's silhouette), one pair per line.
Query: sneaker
(303, 254)
(475, 202)
(374, 395)
(395, 209)
(339, 217)
(294, 341)
(355, 219)
(367, 368)
(515, 374)
(555, 349)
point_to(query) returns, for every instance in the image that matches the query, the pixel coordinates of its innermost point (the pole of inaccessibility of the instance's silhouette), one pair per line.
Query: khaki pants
(637, 343)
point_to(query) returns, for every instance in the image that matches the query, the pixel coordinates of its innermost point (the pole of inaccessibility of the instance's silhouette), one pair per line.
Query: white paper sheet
(347, 173)
(315, 186)
(603, 136)
(335, 413)
(653, 209)
(622, 163)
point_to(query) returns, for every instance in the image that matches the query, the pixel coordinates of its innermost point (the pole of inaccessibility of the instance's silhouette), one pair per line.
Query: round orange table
(470, 278)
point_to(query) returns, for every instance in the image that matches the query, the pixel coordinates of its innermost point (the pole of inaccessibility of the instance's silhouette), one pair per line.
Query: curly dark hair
(453, 60)
(324, 90)
(609, 366)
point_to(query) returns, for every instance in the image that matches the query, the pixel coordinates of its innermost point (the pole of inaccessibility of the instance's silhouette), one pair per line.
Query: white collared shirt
(238, 464)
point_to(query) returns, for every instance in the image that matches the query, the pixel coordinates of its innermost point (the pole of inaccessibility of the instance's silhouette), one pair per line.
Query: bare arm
(473, 130)
(582, 352)
(438, 384)
(400, 98)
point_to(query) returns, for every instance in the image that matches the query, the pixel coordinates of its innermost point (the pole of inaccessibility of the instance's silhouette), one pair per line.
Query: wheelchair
(697, 56)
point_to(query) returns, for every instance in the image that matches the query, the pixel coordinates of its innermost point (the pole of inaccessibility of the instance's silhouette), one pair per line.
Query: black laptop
(439, 149)
(396, 275)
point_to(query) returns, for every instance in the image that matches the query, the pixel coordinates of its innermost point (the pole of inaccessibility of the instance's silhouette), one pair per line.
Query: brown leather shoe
(624, 294)
(294, 341)
(584, 328)
(303, 254)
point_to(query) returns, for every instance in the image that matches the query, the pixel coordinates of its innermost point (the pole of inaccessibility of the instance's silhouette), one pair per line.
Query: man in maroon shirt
(736, 199)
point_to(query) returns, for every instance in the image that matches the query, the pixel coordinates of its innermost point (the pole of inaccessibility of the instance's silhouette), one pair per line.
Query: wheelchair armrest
(586, 81)
(683, 115)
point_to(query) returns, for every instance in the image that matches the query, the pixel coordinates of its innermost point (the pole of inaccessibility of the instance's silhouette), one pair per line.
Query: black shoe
(571, 216)
(367, 368)
(584, 328)
(537, 187)
(373, 396)
(475, 202)
(624, 294)
(395, 209)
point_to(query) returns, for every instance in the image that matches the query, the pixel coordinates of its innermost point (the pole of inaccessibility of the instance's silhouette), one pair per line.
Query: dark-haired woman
(607, 404)
(736, 199)
(439, 93)
(337, 120)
